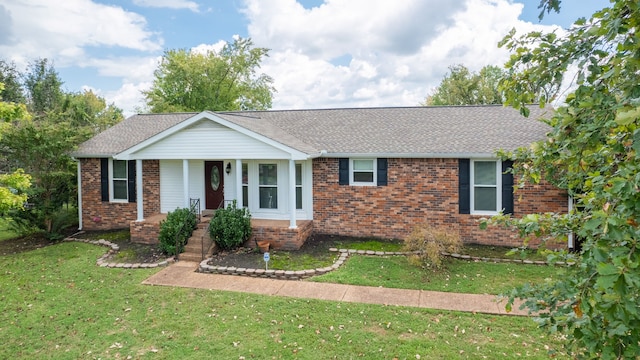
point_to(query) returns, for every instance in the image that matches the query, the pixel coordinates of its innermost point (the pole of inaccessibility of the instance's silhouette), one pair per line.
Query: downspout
(79, 194)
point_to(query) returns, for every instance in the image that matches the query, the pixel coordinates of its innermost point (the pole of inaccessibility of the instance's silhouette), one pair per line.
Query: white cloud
(130, 69)
(170, 4)
(399, 50)
(205, 48)
(128, 97)
(67, 30)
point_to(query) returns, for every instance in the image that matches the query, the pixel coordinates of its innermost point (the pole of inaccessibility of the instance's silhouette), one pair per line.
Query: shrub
(428, 243)
(176, 228)
(230, 227)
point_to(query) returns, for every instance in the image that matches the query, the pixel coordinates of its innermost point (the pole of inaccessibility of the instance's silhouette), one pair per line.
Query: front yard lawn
(461, 276)
(57, 304)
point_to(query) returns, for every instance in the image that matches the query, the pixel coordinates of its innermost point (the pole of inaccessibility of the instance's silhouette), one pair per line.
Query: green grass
(5, 231)
(289, 260)
(457, 276)
(56, 304)
(375, 245)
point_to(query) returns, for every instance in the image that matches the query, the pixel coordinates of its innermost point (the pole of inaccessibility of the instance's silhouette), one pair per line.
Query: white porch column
(292, 194)
(239, 183)
(139, 191)
(185, 183)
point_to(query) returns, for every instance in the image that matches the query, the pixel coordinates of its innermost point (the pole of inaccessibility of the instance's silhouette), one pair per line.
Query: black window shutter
(382, 172)
(507, 187)
(343, 175)
(131, 180)
(464, 189)
(104, 179)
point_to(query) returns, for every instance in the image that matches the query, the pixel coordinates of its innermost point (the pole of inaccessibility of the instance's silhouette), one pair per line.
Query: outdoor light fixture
(228, 169)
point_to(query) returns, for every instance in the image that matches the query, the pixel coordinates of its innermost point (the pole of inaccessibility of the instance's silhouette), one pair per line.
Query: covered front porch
(279, 233)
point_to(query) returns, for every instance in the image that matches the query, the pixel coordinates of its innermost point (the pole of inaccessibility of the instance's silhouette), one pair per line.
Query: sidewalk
(182, 274)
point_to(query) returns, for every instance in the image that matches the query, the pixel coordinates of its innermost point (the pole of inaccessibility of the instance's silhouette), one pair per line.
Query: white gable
(207, 139)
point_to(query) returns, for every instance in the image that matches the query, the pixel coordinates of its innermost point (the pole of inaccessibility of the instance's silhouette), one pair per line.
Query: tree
(228, 80)
(593, 151)
(462, 87)
(10, 77)
(43, 87)
(13, 186)
(88, 113)
(41, 147)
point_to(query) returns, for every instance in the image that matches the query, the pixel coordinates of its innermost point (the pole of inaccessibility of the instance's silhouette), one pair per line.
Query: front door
(214, 184)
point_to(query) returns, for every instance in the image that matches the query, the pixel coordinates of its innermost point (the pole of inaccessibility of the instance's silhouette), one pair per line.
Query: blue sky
(324, 54)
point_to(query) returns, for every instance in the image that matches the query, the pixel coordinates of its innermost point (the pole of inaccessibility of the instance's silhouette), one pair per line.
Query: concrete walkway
(183, 274)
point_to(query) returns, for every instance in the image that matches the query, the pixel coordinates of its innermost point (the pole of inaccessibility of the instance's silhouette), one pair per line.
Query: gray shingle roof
(404, 131)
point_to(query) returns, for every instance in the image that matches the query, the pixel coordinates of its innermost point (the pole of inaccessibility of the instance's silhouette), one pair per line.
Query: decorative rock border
(344, 254)
(114, 248)
(515, 261)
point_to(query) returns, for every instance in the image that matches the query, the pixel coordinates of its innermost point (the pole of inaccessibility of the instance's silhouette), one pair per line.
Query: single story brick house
(364, 172)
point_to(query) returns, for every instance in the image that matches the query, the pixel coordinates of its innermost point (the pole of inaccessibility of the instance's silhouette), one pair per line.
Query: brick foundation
(418, 191)
(278, 234)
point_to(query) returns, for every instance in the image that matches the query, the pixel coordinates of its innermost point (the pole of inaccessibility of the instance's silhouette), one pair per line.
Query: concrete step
(190, 257)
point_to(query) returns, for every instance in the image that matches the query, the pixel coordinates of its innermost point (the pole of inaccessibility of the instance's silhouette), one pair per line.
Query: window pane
(245, 196)
(298, 198)
(363, 177)
(484, 199)
(484, 172)
(120, 189)
(268, 174)
(363, 165)
(119, 169)
(268, 198)
(298, 174)
(245, 174)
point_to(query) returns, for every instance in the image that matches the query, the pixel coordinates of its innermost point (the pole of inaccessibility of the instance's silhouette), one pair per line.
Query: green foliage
(176, 229)
(13, 189)
(593, 151)
(462, 87)
(216, 81)
(41, 146)
(10, 77)
(43, 87)
(429, 243)
(231, 226)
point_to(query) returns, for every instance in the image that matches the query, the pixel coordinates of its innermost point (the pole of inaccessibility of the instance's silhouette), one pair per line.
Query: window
(268, 185)
(119, 181)
(245, 185)
(298, 186)
(486, 187)
(363, 172)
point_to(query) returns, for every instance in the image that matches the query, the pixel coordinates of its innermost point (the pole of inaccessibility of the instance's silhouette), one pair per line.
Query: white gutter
(413, 155)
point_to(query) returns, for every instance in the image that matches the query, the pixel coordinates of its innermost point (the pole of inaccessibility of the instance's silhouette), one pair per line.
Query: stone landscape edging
(204, 266)
(114, 248)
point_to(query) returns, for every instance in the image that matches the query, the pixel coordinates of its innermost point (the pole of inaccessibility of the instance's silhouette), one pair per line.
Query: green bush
(428, 243)
(176, 228)
(230, 227)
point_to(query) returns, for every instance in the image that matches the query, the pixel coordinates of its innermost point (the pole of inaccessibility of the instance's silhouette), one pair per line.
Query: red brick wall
(99, 215)
(418, 190)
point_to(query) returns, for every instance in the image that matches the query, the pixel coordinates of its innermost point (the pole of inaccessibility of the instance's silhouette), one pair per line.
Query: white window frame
(112, 179)
(301, 186)
(276, 186)
(245, 185)
(498, 187)
(363, 183)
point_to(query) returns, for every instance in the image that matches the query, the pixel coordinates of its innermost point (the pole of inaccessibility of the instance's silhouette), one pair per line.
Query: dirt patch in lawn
(23, 243)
